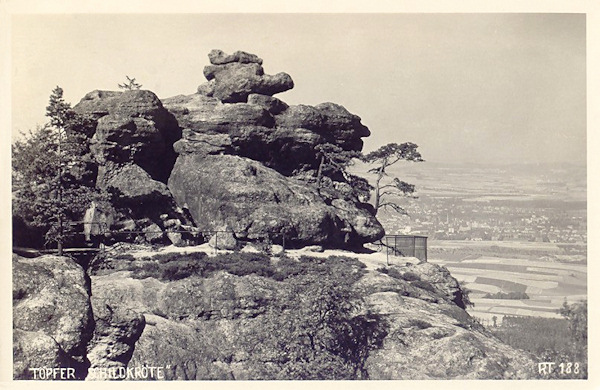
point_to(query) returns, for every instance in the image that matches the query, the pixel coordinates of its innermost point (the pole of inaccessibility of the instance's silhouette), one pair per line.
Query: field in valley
(545, 280)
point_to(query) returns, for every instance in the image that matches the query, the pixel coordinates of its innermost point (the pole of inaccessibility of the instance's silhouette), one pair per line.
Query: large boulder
(140, 199)
(255, 201)
(430, 337)
(440, 278)
(134, 185)
(191, 325)
(133, 188)
(428, 340)
(132, 127)
(116, 332)
(238, 75)
(52, 315)
(33, 350)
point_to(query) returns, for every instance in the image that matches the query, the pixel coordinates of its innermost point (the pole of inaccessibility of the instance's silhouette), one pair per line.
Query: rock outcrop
(247, 159)
(255, 202)
(116, 331)
(52, 315)
(206, 326)
(133, 147)
(430, 334)
(132, 127)
(174, 160)
(265, 129)
(201, 327)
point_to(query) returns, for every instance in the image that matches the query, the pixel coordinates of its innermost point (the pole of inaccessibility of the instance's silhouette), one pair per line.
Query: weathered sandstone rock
(238, 75)
(197, 327)
(132, 127)
(52, 316)
(116, 332)
(255, 201)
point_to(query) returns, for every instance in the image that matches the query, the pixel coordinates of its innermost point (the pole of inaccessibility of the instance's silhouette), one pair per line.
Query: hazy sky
(489, 88)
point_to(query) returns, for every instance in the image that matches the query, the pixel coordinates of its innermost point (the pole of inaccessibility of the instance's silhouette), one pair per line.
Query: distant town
(453, 218)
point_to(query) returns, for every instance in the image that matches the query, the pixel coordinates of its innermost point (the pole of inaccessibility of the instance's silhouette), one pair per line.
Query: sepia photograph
(297, 196)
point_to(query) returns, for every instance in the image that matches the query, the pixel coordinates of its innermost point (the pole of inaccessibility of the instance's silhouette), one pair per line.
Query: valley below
(488, 268)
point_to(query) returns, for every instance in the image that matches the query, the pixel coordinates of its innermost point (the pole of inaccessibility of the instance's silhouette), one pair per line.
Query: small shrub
(286, 268)
(175, 266)
(347, 261)
(439, 335)
(394, 273)
(164, 258)
(241, 264)
(125, 256)
(349, 268)
(422, 284)
(181, 269)
(410, 276)
(146, 270)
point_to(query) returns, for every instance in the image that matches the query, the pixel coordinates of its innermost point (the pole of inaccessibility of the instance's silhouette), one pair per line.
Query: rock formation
(205, 326)
(245, 156)
(116, 331)
(132, 127)
(430, 334)
(133, 147)
(52, 316)
(255, 201)
(200, 327)
(231, 78)
(230, 155)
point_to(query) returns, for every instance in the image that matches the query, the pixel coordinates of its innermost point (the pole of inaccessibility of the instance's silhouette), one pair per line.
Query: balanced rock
(218, 57)
(238, 75)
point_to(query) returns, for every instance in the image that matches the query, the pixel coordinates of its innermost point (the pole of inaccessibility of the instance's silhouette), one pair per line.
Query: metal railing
(104, 233)
(403, 246)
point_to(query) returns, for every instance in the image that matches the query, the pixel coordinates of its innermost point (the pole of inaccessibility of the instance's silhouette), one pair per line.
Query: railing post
(387, 252)
(216, 242)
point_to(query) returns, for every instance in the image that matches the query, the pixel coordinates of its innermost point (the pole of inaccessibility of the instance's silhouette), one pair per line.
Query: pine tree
(130, 85)
(383, 158)
(53, 176)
